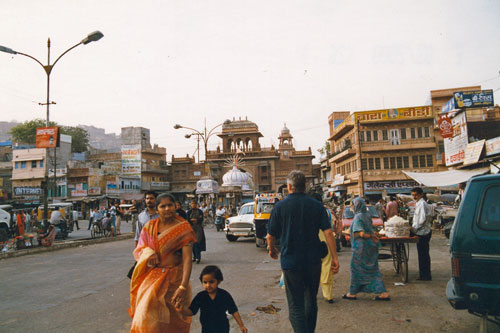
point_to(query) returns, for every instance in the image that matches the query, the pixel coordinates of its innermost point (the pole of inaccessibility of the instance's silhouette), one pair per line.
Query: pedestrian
(296, 221)
(421, 226)
(119, 216)
(178, 209)
(93, 213)
(160, 281)
(149, 213)
(326, 278)
(20, 223)
(379, 207)
(195, 218)
(365, 273)
(391, 208)
(134, 211)
(213, 303)
(27, 221)
(74, 214)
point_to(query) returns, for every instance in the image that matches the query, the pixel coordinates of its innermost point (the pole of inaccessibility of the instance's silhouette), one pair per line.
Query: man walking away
(296, 221)
(379, 207)
(147, 214)
(421, 226)
(391, 208)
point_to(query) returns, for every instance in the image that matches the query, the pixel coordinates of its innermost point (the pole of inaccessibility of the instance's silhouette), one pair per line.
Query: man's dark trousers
(301, 292)
(424, 259)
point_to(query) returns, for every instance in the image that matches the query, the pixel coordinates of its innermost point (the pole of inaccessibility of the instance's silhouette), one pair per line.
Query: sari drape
(151, 288)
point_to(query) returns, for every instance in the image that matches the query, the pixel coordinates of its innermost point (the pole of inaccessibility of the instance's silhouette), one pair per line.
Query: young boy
(213, 302)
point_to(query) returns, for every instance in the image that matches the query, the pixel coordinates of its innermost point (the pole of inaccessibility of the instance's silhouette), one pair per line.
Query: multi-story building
(371, 148)
(5, 171)
(28, 173)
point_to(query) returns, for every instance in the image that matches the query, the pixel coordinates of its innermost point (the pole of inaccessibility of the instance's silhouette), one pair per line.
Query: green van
(475, 250)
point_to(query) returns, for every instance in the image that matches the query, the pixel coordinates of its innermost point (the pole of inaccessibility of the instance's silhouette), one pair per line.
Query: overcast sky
(164, 62)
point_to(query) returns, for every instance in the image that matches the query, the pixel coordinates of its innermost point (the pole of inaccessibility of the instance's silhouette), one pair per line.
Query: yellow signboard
(395, 114)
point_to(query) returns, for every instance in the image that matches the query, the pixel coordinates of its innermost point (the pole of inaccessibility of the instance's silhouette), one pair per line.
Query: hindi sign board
(47, 137)
(473, 152)
(94, 190)
(416, 112)
(445, 127)
(454, 147)
(469, 99)
(131, 161)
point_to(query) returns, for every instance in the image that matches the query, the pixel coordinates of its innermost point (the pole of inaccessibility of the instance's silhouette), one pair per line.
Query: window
(363, 164)
(393, 162)
(375, 135)
(406, 162)
(412, 133)
(403, 133)
(355, 165)
(33, 164)
(489, 219)
(17, 165)
(368, 136)
(394, 137)
(348, 167)
(422, 161)
(429, 161)
(427, 132)
(342, 168)
(384, 135)
(361, 136)
(377, 163)
(415, 161)
(399, 162)
(441, 146)
(338, 170)
(386, 162)
(371, 164)
(419, 132)
(23, 165)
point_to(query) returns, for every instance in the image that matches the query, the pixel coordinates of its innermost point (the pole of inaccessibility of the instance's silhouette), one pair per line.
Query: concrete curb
(65, 245)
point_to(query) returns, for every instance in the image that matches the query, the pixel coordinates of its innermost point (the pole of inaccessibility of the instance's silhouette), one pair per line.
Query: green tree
(325, 150)
(26, 133)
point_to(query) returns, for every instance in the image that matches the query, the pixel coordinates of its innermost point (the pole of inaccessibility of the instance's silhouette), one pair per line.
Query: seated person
(47, 238)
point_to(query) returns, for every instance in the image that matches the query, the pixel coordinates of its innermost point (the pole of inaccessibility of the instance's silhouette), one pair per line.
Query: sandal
(352, 298)
(377, 298)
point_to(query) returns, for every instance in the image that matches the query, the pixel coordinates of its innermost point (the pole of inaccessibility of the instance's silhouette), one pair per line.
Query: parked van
(5, 222)
(475, 250)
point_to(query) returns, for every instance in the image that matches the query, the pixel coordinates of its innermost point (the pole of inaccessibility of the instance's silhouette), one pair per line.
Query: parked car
(5, 222)
(241, 225)
(348, 216)
(475, 250)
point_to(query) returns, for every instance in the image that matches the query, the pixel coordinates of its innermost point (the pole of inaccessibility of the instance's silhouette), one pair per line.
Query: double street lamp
(204, 135)
(92, 37)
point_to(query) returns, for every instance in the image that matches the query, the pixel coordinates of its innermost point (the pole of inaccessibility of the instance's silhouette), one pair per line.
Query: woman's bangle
(182, 287)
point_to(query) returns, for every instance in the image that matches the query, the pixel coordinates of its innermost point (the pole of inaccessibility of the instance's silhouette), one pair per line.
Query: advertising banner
(205, 186)
(390, 184)
(454, 147)
(131, 161)
(27, 190)
(78, 193)
(47, 137)
(469, 99)
(395, 114)
(492, 146)
(445, 127)
(94, 190)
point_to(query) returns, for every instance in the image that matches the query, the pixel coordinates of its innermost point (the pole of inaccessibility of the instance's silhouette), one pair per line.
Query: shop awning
(445, 178)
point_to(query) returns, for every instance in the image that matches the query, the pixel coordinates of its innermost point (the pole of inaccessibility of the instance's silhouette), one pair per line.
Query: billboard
(395, 114)
(131, 161)
(27, 190)
(454, 147)
(47, 137)
(469, 99)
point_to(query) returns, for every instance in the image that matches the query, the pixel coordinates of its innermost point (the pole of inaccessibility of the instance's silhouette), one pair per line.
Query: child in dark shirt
(213, 302)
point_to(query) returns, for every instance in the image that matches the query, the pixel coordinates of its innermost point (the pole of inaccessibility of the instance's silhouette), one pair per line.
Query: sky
(166, 62)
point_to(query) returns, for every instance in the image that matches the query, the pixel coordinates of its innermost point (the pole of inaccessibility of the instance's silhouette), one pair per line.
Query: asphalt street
(85, 289)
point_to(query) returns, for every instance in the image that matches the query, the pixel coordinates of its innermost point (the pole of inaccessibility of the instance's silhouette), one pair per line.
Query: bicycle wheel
(403, 264)
(395, 260)
(92, 231)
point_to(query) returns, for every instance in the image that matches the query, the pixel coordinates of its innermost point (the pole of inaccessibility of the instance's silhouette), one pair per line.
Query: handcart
(400, 253)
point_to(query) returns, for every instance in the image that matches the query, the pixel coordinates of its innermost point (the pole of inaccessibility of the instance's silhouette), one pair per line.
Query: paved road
(85, 290)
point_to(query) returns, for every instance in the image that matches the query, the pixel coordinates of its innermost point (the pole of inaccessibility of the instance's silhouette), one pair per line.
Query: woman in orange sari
(160, 281)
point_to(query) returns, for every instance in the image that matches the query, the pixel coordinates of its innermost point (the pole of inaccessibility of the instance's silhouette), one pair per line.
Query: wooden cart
(400, 253)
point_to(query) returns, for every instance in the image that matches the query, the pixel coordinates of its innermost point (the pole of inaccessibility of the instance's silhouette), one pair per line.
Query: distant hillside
(98, 138)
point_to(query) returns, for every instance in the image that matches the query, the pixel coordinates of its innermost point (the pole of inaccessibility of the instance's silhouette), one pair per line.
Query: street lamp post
(92, 37)
(204, 135)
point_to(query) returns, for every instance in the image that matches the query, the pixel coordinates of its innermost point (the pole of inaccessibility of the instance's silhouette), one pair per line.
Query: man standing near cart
(421, 226)
(296, 221)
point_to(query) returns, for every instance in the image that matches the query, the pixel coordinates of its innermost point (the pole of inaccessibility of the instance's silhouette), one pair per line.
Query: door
(394, 137)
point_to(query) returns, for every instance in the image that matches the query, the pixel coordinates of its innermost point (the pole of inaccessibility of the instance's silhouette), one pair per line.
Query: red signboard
(445, 127)
(47, 137)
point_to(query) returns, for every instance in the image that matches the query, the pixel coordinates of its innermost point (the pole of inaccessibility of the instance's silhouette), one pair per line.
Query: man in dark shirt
(296, 221)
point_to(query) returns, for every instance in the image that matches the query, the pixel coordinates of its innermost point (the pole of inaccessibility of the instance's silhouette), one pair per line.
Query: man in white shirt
(421, 226)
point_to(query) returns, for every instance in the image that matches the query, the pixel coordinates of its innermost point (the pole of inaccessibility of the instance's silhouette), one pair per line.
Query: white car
(241, 225)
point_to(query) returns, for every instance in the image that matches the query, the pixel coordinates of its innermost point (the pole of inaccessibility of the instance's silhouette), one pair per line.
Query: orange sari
(151, 288)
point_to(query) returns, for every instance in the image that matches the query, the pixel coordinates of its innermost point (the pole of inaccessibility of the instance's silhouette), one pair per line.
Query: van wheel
(231, 238)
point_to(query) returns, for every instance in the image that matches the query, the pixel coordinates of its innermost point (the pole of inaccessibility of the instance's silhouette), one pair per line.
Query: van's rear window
(489, 219)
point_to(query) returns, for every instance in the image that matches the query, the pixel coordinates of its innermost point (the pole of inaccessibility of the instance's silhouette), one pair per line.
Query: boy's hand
(243, 329)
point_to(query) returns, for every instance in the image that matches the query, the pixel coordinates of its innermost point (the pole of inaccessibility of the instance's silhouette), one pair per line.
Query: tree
(325, 150)
(26, 133)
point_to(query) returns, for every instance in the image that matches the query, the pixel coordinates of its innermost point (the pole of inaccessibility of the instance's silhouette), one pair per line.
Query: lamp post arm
(27, 55)
(210, 132)
(196, 131)
(71, 48)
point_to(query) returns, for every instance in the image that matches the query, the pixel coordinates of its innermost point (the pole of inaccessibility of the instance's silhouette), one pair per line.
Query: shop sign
(469, 99)
(338, 180)
(473, 152)
(27, 190)
(454, 147)
(161, 185)
(47, 137)
(394, 114)
(78, 193)
(445, 127)
(111, 185)
(131, 161)
(492, 146)
(390, 184)
(196, 173)
(94, 190)
(206, 186)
